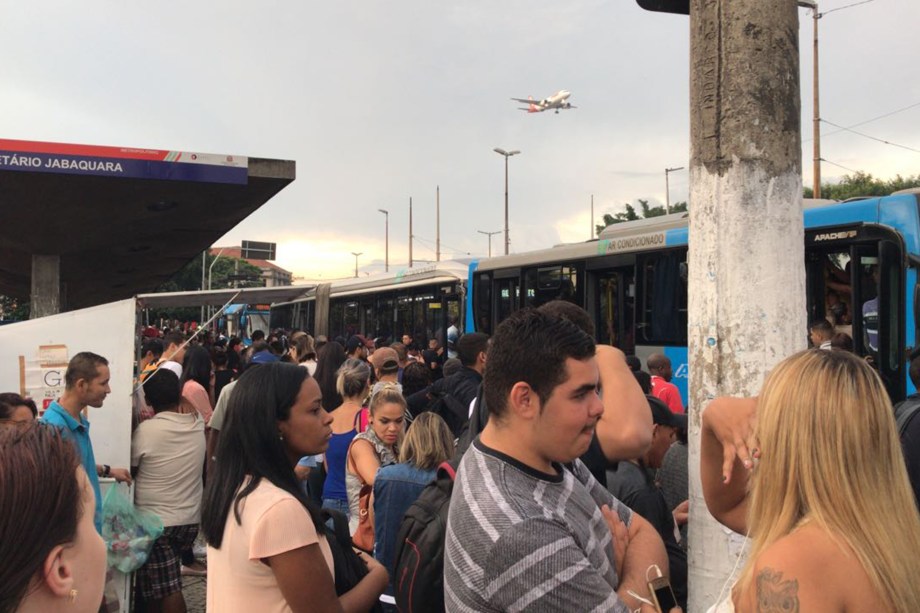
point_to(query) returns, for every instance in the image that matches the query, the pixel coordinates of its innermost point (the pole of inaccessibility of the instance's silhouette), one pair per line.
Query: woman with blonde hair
(376, 447)
(428, 443)
(812, 471)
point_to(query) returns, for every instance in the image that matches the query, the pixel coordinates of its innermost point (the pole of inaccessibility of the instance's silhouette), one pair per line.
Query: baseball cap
(662, 415)
(386, 360)
(263, 357)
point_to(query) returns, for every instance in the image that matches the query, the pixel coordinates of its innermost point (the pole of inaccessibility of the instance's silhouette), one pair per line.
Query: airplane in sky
(559, 100)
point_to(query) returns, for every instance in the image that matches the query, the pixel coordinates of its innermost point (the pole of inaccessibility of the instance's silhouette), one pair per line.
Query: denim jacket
(396, 487)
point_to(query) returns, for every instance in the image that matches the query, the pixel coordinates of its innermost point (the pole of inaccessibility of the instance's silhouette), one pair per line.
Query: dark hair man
(462, 385)
(167, 453)
(523, 531)
(820, 334)
(86, 383)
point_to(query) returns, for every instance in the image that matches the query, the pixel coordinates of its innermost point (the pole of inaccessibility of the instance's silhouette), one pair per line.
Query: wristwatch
(106, 470)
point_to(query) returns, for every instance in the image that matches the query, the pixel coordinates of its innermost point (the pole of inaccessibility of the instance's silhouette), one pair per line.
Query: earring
(73, 595)
(280, 437)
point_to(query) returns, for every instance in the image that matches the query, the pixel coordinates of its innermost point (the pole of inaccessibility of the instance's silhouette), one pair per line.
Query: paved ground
(195, 591)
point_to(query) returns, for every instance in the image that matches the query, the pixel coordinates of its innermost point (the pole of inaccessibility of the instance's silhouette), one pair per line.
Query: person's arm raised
(625, 429)
(727, 453)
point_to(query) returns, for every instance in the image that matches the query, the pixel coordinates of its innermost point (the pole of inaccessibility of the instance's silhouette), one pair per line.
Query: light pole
(816, 116)
(489, 234)
(386, 266)
(356, 262)
(506, 154)
(667, 187)
(211, 268)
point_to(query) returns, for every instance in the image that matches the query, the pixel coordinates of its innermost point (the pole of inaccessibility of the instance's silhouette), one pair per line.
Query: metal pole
(356, 262)
(667, 192)
(387, 241)
(489, 234)
(507, 239)
(437, 254)
(816, 185)
(410, 231)
(592, 216)
(204, 259)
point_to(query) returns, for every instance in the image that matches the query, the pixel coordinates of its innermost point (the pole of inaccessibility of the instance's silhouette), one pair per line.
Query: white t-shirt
(169, 452)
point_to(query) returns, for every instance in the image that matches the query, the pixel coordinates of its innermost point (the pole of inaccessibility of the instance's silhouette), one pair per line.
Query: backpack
(418, 561)
(452, 410)
(349, 568)
(904, 411)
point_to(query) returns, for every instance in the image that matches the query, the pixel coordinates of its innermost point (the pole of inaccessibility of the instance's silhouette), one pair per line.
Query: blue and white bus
(861, 262)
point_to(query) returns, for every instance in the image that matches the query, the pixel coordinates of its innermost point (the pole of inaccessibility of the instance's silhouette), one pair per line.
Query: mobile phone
(662, 595)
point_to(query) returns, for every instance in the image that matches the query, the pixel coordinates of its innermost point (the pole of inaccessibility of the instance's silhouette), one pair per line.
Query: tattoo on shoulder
(774, 595)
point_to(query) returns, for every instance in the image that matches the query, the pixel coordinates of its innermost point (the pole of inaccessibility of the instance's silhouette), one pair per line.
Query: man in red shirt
(659, 366)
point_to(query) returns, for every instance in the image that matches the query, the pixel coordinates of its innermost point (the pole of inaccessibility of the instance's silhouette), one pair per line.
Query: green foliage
(863, 184)
(13, 309)
(631, 215)
(188, 279)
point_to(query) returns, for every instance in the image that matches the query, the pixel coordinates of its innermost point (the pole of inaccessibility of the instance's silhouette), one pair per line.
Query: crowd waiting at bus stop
(530, 470)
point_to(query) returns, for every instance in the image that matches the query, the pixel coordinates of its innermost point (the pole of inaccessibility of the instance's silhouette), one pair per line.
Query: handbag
(363, 538)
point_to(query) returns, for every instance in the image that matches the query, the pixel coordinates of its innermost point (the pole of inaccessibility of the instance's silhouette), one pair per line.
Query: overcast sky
(380, 101)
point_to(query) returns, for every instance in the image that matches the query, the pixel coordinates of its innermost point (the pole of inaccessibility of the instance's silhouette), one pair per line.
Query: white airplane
(557, 101)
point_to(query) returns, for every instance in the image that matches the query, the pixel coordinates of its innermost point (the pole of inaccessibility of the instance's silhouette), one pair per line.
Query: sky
(377, 102)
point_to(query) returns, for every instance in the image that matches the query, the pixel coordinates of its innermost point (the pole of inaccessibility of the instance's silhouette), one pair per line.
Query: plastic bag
(128, 533)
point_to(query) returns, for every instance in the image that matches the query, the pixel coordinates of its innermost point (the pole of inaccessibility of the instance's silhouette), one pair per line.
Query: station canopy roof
(122, 220)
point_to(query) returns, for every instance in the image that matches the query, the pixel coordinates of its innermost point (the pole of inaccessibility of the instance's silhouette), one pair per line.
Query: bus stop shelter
(83, 225)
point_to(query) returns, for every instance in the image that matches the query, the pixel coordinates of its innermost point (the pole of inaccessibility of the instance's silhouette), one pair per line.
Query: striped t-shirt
(519, 539)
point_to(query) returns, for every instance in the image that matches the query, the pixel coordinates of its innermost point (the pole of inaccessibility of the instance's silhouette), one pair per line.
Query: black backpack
(418, 562)
(905, 411)
(452, 410)
(349, 568)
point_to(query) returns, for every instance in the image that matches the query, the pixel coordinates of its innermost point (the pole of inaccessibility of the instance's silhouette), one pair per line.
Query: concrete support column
(45, 298)
(746, 277)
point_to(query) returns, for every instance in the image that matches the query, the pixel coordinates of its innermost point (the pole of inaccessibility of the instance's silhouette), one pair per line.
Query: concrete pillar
(46, 286)
(746, 278)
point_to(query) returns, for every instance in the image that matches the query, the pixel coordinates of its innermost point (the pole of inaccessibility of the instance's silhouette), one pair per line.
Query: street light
(667, 187)
(489, 234)
(506, 154)
(356, 262)
(816, 117)
(211, 268)
(387, 243)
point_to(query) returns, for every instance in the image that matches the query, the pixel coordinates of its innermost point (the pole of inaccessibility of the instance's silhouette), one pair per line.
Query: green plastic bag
(128, 533)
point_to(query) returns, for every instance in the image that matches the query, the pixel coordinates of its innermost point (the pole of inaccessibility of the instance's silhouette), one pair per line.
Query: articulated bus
(861, 261)
(419, 301)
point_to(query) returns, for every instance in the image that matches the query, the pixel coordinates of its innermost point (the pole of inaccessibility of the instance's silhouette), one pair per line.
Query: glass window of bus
(483, 303)
(385, 315)
(868, 285)
(404, 315)
(336, 319)
(616, 299)
(352, 321)
(549, 283)
(508, 297)
(662, 317)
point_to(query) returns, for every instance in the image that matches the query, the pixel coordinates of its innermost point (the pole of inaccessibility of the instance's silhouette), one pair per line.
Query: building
(273, 275)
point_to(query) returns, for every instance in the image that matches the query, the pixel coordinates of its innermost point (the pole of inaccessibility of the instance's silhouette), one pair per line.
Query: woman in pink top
(266, 546)
(197, 382)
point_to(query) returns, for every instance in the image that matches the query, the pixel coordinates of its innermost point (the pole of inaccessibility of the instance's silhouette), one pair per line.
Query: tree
(631, 215)
(864, 184)
(13, 309)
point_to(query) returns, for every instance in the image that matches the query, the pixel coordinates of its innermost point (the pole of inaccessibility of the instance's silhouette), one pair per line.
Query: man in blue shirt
(86, 384)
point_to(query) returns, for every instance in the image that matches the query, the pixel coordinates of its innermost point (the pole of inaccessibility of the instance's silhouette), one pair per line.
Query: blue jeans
(337, 505)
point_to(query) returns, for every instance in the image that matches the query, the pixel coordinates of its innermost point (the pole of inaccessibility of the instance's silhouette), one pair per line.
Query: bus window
(615, 309)
(508, 297)
(551, 283)
(662, 315)
(483, 307)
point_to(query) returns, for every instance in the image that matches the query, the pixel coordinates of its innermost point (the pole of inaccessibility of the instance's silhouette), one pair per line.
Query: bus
(421, 301)
(861, 262)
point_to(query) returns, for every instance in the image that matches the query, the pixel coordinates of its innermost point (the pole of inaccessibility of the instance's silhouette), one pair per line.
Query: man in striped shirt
(529, 528)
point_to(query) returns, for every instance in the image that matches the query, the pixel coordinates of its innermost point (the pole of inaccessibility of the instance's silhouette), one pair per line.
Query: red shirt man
(659, 366)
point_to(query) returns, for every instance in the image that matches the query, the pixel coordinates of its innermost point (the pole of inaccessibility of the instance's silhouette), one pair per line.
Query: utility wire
(840, 8)
(862, 123)
(870, 137)
(431, 244)
(838, 165)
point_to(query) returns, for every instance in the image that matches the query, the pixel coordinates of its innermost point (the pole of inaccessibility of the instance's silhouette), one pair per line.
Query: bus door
(855, 279)
(614, 303)
(506, 295)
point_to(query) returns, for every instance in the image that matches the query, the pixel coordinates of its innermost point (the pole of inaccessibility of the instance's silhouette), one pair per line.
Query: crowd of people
(571, 486)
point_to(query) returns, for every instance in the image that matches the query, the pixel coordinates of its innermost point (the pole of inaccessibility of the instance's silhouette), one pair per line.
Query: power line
(840, 8)
(443, 244)
(862, 123)
(838, 165)
(870, 137)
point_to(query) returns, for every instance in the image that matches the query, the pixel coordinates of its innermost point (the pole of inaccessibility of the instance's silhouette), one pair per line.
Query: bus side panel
(680, 367)
(676, 237)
